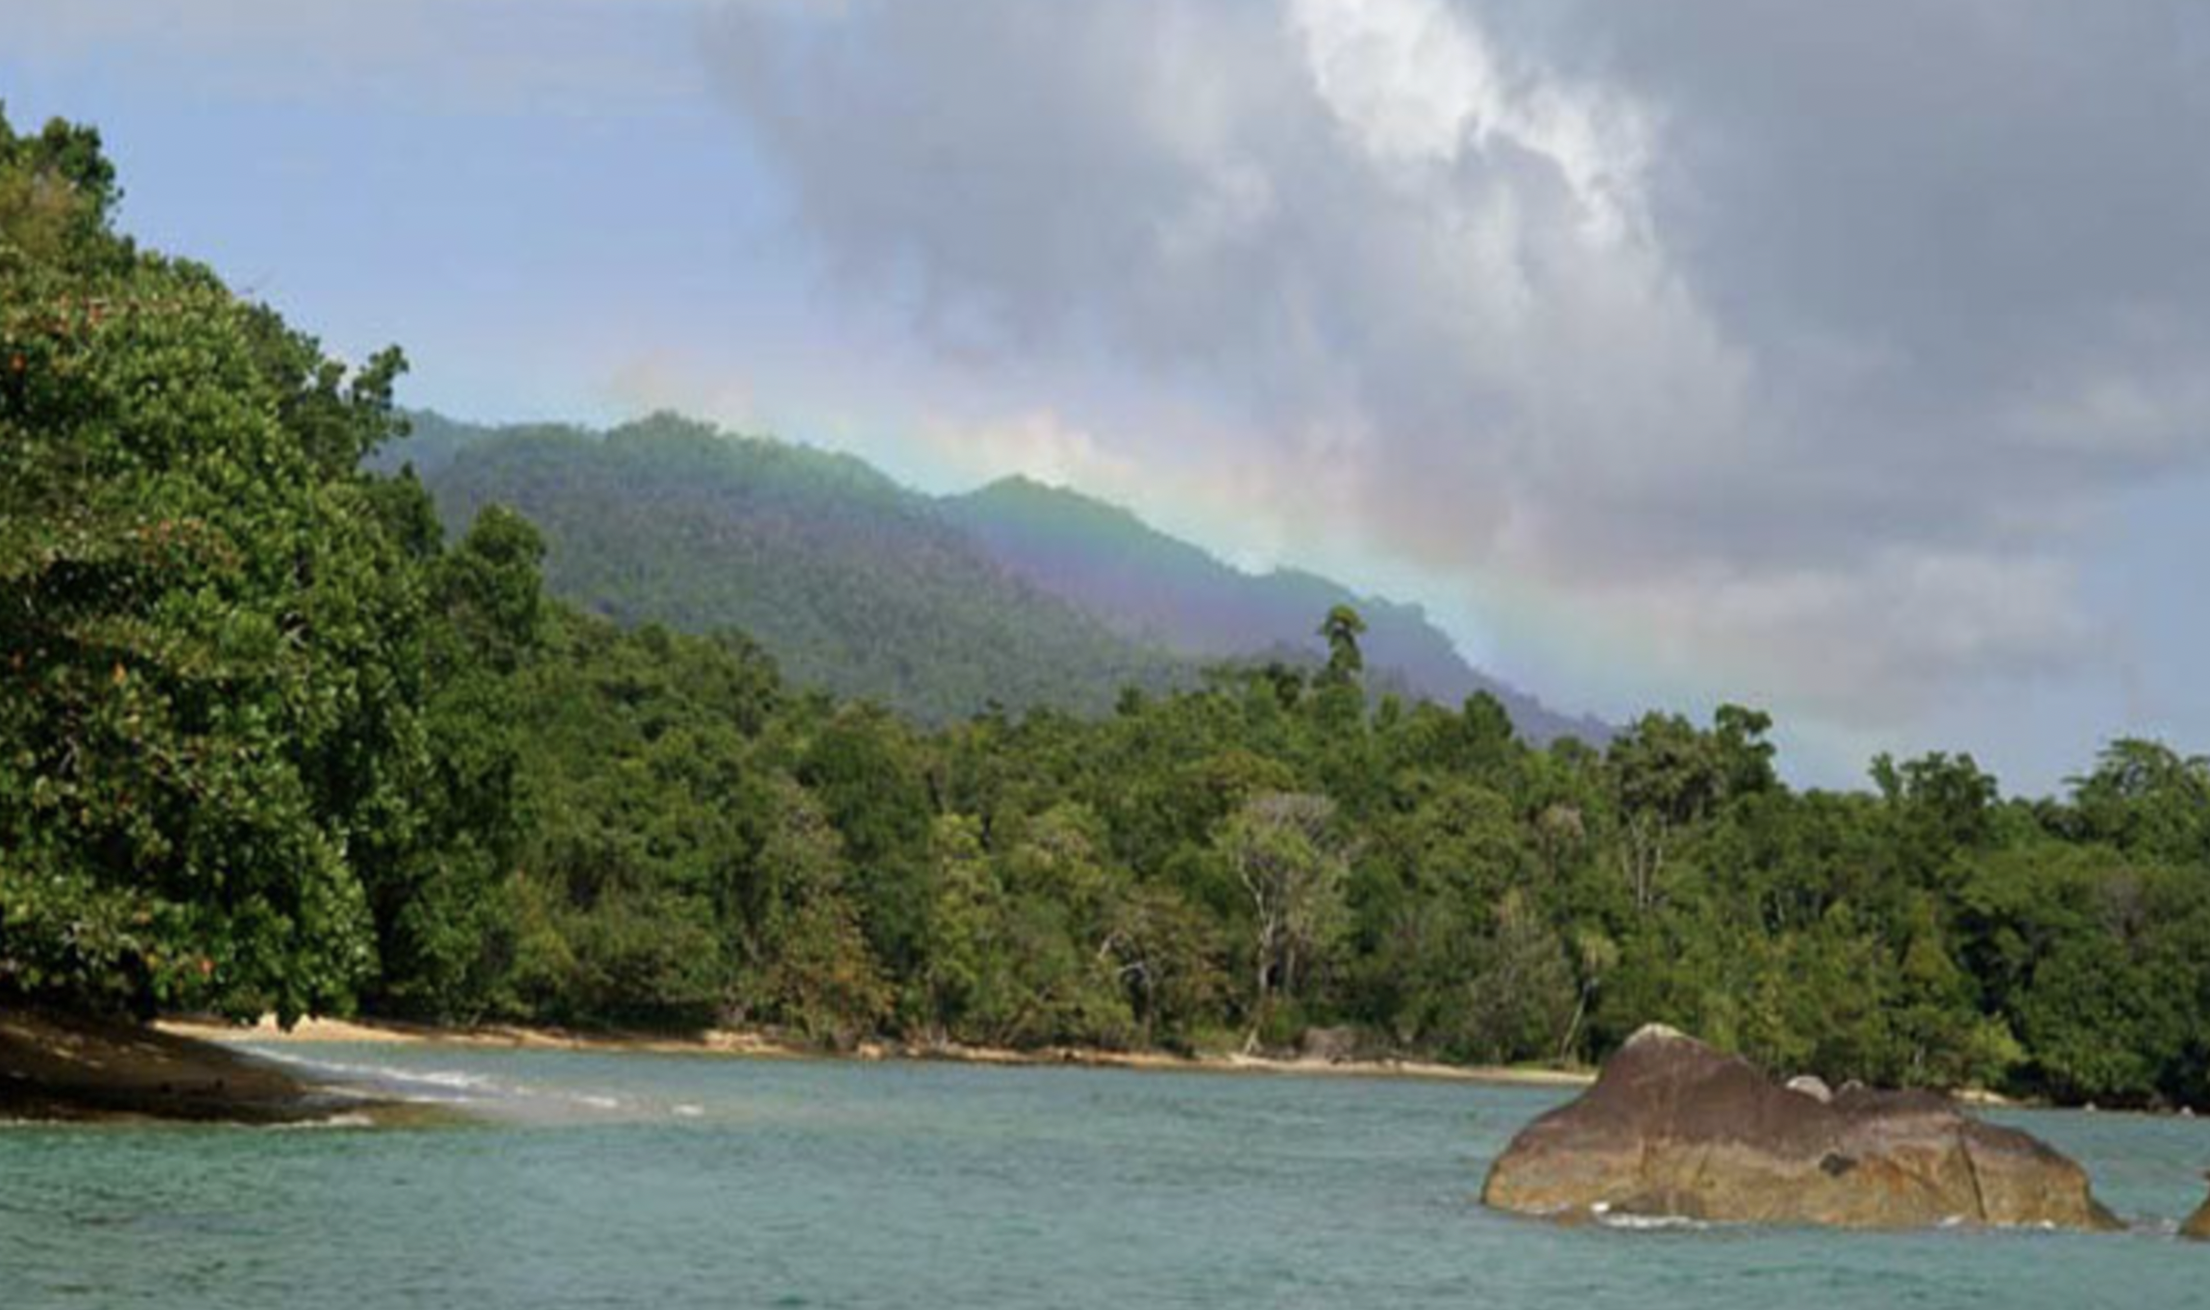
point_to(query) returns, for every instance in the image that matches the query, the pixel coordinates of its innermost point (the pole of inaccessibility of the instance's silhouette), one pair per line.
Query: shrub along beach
(269, 744)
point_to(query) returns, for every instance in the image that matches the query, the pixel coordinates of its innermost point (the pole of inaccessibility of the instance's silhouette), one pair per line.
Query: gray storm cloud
(1793, 344)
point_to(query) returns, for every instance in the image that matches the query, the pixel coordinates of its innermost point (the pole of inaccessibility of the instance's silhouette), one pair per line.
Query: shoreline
(64, 1067)
(749, 1043)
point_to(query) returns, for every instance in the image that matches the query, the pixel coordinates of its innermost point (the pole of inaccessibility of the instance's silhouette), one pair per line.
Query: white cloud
(1418, 82)
(1777, 346)
(1038, 444)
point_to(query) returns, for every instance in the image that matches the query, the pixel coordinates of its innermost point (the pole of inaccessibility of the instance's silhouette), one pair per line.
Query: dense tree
(1292, 866)
(2147, 800)
(209, 637)
(1341, 629)
(440, 898)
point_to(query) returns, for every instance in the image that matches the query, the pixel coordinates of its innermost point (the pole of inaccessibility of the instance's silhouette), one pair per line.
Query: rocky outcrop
(1811, 1085)
(1334, 1045)
(2197, 1225)
(1674, 1128)
(55, 1065)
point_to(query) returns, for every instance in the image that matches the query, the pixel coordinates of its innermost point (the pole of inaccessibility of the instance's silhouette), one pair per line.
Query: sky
(1848, 361)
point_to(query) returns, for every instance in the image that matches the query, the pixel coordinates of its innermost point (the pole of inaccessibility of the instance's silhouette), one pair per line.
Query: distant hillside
(1164, 591)
(851, 581)
(1017, 593)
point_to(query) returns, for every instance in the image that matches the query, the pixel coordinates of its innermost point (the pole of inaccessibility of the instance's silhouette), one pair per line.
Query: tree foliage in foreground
(267, 741)
(206, 631)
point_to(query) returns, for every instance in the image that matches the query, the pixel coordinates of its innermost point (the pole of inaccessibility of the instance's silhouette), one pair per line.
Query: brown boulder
(1334, 1045)
(2198, 1223)
(1673, 1128)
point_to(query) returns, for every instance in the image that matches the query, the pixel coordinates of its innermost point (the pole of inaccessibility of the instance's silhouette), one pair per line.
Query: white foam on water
(451, 1084)
(449, 1087)
(346, 1119)
(1648, 1222)
(448, 1078)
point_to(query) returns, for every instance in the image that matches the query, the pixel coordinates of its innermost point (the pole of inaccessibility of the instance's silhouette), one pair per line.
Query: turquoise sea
(670, 1181)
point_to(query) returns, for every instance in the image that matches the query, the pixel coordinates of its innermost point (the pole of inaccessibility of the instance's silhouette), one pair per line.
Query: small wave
(688, 1111)
(1651, 1222)
(447, 1087)
(345, 1119)
(466, 1082)
(449, 1082)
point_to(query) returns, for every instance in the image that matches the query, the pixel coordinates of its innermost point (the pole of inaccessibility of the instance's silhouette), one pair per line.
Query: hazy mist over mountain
(1149, 585)
(1015, 594)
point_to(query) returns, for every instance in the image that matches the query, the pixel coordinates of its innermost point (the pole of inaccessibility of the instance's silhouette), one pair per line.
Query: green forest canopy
(855, 583)
(1016, 595)
(268, 742)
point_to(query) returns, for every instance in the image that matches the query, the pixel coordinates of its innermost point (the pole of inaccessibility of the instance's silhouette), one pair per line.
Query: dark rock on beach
(1673, 1128)
(1334, 1045)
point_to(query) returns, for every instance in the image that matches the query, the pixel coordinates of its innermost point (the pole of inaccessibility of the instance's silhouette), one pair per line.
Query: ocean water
(670, 1181)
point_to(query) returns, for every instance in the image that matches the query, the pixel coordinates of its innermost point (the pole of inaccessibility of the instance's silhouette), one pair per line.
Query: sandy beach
(745, 1042)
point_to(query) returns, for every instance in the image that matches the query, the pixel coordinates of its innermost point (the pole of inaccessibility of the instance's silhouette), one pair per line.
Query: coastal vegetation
(271, 739)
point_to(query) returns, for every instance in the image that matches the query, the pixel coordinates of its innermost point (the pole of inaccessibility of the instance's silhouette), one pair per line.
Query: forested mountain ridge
(852, 582)
(1157, 588)
(1017, 594)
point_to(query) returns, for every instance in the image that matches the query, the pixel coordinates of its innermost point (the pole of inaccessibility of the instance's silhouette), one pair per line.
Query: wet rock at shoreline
(1673, 1128)
(55, 1065)
(2197, 1225)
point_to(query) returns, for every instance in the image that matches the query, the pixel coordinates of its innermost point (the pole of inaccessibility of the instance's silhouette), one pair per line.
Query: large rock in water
(2197, 1225)
(1674, 1128)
